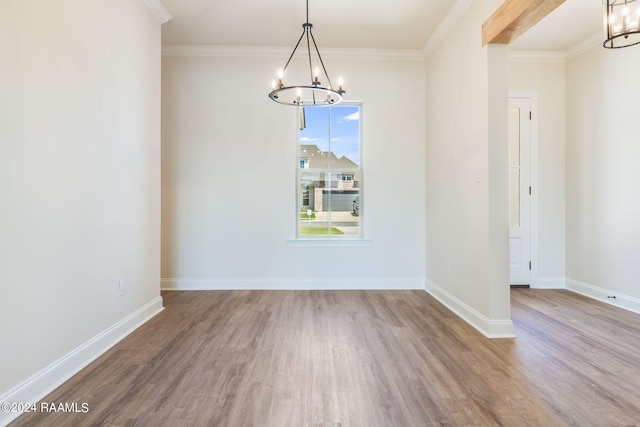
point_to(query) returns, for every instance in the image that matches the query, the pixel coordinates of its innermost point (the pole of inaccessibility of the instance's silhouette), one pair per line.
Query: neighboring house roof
(320, 159)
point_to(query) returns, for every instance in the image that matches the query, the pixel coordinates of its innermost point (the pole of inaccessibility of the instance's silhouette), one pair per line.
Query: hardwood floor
(361, 358)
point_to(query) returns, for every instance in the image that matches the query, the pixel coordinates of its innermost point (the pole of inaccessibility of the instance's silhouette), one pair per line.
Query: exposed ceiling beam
(515, 17)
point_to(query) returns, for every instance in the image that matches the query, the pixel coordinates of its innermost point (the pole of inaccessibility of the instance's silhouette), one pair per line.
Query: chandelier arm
(308, 31)
(320, 58)
(294, 49)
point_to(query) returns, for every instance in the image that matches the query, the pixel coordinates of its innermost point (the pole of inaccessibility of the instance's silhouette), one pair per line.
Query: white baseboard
(395, 283)
(623, 301)
(50, 378)
(550, 283)
(501, 328)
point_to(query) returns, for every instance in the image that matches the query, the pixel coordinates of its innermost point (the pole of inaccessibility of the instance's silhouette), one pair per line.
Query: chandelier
(622, 23)
(313, 94)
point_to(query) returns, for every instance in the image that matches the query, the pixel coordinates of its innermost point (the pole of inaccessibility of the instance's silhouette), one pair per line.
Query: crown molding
(527, 56)
(376, 54)
(445, 26)
(209, 50)
(586, 44)
(278, 52)
(159, 10)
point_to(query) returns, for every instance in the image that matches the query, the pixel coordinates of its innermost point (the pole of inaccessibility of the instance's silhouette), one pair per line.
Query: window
(329, 177)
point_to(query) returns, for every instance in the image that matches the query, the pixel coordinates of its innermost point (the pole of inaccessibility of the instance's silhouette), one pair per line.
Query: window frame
(334, 174)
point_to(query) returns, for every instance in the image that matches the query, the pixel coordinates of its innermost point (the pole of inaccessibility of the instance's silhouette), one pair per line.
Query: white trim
(524, 56)
(498, 328)
(356, 283)
(551, 283)
(47, 380)
(445, 26)
(585, 45)
(159, 10)
(374, 54)
(284, 52)
(622, 301)
(338, 242)
(533, 178)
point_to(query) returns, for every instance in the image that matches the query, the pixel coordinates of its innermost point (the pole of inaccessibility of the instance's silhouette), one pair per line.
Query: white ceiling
(567, 26)
(364, 24)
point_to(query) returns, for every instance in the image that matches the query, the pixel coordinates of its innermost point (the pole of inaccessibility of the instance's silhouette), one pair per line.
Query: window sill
(330, 243)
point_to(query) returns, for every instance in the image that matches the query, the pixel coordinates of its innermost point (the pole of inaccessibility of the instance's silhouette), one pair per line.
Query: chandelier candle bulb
(316, 73)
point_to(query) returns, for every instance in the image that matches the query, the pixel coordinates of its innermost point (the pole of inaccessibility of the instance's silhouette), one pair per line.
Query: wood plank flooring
(361, 358)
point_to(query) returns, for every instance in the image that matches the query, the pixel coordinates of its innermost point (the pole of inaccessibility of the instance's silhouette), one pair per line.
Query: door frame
(532, 96)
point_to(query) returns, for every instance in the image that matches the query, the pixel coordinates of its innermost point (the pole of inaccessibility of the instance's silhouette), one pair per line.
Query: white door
(519, 191)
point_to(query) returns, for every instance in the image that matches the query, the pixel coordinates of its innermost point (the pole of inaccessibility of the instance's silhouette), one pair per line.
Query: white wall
(79, 177)
(548, 81)
(467, 190)
(228, 177)
(603, 200)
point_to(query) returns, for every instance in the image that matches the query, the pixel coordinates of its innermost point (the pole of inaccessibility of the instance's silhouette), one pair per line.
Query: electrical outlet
(279, 256)
(122, 286)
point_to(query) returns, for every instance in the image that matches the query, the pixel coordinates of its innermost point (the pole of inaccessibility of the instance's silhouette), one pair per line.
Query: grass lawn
(304, 215)
(318, 231)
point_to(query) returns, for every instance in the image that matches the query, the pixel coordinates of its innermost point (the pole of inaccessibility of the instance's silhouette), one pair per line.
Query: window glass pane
(343, 202)
(323, 210)
(514, 197)
(514, 137)
(313, 219)
(345, 137)
(313, 140)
